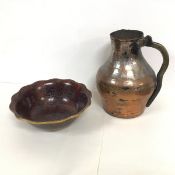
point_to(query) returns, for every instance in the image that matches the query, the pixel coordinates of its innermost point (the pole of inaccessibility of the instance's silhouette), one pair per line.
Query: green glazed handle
(148, 42)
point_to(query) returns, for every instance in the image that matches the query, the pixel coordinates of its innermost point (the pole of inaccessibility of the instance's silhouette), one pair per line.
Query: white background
(42, 39)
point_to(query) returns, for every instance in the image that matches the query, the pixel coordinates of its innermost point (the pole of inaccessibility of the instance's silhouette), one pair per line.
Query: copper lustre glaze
(126, 82)
(50, 102)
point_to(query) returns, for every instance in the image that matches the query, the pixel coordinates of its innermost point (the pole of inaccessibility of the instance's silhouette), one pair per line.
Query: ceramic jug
(126, 82)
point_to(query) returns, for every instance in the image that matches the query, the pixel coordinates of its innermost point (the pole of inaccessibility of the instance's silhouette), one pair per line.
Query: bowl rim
(15, 98)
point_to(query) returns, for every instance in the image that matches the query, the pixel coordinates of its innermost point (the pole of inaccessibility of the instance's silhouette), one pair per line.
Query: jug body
(126, 81)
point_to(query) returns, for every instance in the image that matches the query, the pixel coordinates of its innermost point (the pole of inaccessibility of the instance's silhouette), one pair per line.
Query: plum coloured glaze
(50, 101)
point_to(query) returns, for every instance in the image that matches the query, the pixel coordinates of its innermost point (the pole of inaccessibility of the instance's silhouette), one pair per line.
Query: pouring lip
(126, 35)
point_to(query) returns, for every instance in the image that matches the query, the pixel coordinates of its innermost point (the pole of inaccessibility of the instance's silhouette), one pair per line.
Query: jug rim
(126, 35)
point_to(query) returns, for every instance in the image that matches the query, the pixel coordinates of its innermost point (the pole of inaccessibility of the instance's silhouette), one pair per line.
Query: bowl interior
(54, 100)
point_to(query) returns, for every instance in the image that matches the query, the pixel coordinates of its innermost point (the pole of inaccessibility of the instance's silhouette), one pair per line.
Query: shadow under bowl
(50, 103)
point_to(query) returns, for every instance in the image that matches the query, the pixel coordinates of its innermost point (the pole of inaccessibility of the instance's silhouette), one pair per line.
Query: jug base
(124, 115)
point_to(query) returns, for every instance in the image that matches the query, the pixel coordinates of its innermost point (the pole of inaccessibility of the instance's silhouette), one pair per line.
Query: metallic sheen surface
(126, 81)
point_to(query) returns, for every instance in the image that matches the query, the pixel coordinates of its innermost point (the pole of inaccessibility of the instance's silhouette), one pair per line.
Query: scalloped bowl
(50, 102)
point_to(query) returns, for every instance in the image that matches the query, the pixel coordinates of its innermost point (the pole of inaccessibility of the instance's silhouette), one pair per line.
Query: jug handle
(147, 41)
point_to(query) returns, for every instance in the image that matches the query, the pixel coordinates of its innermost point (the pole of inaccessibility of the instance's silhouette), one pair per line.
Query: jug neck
(126, 43)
